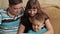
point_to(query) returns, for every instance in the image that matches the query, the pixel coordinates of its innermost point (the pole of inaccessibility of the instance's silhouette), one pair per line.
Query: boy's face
(15, 9)
(36, 25)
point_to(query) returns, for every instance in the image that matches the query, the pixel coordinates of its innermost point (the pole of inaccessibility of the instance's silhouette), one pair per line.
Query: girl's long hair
(34, 4)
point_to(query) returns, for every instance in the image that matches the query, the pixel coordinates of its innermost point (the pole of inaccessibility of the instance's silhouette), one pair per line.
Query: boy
(38, 25)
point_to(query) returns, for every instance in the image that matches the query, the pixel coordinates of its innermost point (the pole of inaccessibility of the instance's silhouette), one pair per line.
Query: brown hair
(14, 2)
(38, 18)
(34, 4)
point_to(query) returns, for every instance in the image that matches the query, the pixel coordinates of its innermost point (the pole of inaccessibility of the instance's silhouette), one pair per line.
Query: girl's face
(37, 25)
(32, 12)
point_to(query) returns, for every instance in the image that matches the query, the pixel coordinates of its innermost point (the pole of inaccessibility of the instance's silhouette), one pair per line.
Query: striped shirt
(7, 23)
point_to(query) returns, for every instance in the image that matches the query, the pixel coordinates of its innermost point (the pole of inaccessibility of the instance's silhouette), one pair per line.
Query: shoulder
(24, 18)
(22, 12)
(3, 11)
(43, 29)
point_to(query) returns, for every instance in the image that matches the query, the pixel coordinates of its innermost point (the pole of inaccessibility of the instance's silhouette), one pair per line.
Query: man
(10, 17)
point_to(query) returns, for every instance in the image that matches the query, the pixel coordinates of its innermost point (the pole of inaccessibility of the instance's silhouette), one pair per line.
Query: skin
(49, 27)
(32, 12)
(14, 9)
(47, 22)
(37, 25)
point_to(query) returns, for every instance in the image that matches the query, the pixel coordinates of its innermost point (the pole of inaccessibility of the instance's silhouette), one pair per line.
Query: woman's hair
(34, 4)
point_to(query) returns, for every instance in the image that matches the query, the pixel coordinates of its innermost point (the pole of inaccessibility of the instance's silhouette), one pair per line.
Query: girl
(33, 8)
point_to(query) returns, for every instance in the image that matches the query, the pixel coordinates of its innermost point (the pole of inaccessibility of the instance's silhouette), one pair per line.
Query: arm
(49, 27)
(21, 29)
(49, 5)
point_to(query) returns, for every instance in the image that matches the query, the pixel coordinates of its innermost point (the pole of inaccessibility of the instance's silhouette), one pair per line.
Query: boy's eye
(34, 24)
(38, 25)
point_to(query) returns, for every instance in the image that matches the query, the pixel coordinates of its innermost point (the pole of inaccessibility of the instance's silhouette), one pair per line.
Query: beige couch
(54, 15)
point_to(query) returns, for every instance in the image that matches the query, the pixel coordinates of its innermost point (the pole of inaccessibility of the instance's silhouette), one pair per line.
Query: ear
(43, 25)
(10, 5)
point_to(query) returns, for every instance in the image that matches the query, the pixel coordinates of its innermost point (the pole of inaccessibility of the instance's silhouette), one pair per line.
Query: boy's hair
(14, 2)
(38, 18)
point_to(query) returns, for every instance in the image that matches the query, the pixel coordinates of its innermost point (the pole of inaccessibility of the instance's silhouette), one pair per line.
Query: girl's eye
(33, 10)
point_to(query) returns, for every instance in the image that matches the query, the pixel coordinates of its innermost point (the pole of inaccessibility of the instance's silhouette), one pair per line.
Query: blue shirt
(7, 23)
(39, 32)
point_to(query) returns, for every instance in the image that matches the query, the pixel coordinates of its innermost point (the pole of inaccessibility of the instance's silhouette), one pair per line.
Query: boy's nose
(35, 27)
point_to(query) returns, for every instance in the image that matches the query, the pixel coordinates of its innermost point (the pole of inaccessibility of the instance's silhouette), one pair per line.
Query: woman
(33, 8)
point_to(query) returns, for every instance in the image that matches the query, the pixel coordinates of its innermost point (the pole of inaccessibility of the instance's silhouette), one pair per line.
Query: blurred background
(52, 12)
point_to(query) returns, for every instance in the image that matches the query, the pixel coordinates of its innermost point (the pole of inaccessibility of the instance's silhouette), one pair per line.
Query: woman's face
(32, 12)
